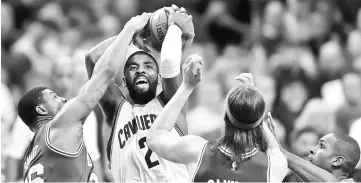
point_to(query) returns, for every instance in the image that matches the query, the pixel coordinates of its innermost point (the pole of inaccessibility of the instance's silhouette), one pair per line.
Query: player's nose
(141, 70)
(312, 151)
(64, 100)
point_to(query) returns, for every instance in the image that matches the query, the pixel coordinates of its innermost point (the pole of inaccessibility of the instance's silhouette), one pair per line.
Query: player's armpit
(110, 101)
(177, 149)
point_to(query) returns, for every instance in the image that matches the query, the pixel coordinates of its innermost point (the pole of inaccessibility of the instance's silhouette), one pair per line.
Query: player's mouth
(141, 81)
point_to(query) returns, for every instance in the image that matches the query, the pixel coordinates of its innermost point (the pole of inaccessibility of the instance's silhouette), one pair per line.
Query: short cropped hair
(131, 57)
(349, 148)
(27, 105)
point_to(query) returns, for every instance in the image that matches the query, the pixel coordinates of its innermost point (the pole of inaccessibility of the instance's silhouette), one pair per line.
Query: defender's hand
(138, 22)
(270, 124)
(175, 8)
(246, 78)
(192, 71)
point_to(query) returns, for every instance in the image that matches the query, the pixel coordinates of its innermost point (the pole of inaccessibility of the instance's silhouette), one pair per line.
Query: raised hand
(138, 22)
(187, 27)
(178, 18)
(271, 124)
(246, 78)
(192, 70)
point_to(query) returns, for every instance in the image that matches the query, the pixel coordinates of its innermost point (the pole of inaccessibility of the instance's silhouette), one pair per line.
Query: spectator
(228, 21)
(350, 110)
(317, 115)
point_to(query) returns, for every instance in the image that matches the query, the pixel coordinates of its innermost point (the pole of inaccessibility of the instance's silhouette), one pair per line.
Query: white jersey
(130, 158)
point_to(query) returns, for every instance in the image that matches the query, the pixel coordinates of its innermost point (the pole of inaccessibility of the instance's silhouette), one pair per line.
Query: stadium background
(305, 56)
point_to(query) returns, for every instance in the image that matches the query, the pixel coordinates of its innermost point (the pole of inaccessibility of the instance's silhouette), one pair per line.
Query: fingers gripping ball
(157, 28)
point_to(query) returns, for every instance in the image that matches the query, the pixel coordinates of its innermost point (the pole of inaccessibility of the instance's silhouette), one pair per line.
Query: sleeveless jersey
(130, 158)
(46, 163)
(214, 166)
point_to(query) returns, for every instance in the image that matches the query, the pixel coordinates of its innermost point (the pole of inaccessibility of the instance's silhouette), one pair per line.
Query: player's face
(321, 155)
(141, 75)
(53, 103)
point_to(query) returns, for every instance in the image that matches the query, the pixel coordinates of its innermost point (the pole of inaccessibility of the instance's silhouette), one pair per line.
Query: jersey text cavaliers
(142, 122)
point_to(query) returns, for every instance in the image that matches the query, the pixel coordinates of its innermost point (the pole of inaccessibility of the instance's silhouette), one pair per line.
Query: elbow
(89, 65)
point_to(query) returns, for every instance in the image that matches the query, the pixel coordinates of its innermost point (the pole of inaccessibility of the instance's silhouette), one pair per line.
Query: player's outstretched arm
(160, 139)
(104, 71)
(68, 122)
(98, 58)
(113, 95)
(306, 171)
(171, 54)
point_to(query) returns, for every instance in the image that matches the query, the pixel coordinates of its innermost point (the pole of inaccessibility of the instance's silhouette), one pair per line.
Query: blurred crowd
(305, 56)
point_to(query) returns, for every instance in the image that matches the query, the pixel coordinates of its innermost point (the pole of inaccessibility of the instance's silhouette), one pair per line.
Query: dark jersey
(46, 163)
(215, 166)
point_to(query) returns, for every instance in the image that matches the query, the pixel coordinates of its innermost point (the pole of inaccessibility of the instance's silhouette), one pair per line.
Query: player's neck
(41, 120)
(141, 100)
(339, 174)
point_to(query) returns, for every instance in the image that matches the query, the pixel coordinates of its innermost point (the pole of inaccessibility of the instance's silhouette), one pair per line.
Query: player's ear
(124, 83)
(40, 109)
(338, 161)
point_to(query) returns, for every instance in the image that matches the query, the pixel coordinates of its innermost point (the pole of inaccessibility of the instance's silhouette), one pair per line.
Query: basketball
(157, 28)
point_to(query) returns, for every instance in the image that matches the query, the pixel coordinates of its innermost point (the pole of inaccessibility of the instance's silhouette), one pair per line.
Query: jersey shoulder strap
(114, 125)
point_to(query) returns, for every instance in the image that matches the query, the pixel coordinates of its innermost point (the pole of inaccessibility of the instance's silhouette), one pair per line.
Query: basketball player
(57, 151)
(241, 155)
(333, 159)
(130, 158)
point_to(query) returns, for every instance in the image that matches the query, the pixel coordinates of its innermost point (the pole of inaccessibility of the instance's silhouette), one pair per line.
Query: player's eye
(148, 67)
(132, 68)
(322, 146)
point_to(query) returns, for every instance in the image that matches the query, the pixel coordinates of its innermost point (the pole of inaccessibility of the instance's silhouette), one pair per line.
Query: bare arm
(69, 119)
(171, 55)
(167, 145)
(113, 94)
(103, 74)
(307, 171)
(160, 139)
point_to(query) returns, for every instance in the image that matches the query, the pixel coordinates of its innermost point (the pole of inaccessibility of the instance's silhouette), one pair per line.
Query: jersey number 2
(150, 163)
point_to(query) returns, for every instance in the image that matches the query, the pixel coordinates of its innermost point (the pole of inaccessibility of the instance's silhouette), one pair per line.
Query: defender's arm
(171, 147)
(307, 171)
(113, 95)
(182, 149)
(66, 127)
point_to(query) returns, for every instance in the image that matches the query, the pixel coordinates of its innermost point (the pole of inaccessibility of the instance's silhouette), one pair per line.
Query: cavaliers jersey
(46, 163)
(215, 166)
(130, 159)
